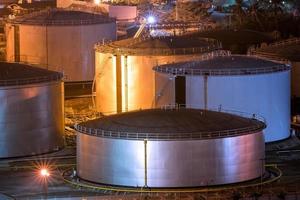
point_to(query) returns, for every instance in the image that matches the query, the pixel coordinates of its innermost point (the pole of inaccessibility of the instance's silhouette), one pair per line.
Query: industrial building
(63, 40)
(31, 107)
(233, 82)
(170, 147)
(124, 78)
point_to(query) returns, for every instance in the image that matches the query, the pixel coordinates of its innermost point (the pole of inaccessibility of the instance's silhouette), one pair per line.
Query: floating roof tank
(170, 148)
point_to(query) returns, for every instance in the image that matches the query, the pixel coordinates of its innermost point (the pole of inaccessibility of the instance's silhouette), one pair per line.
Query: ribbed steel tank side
(32, 120)
(266, 94)
(181, 163)
(139, 89)
(67, 49)
(296, 79)
(105, 83)
(10, 41)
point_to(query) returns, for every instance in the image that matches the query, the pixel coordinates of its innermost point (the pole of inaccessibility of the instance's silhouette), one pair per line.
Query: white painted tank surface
(124, 77)
(243, 83)
(59, 40)
(170, 148)
(31, 109)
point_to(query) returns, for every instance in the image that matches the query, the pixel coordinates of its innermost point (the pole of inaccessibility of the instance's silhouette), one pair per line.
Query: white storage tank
(59, 40)
(124, 77)
(31, 109)
(231, 82)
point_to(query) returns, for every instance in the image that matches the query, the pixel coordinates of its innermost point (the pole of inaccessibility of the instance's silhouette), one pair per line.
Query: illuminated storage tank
(170, 148)
(124, 77)
(31, 107)
(59, 40)
(243, 83)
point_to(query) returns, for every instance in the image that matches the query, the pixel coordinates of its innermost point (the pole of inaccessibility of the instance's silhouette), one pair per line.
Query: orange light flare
(97, 2)
(44, 171)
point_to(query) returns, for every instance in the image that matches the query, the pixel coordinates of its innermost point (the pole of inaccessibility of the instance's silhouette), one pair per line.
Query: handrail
(129, 50)
(185, 70)
(38, 79)
(262, 53)
(190, 68)
(32, 20)
(25, 81)
(179, 136)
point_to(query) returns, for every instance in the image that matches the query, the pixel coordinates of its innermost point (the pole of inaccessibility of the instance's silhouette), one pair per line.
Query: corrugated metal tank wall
(140, 85)
(67, 49)
(32, 120)
(183, 163)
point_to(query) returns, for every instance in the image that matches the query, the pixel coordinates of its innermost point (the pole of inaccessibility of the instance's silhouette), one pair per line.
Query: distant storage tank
(60, 40)
(170, 148)
(121, 11)
(286, 51)
(243, 83)
(124, 76)
(31, 109)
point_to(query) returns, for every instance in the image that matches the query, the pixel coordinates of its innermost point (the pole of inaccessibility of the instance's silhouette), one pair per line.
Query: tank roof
(172, 45)
(12, 74)
(285, 51)
(223, 65)
(61, 17)
(180, 123)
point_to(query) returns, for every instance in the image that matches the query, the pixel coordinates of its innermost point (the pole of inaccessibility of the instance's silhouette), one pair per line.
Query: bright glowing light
(97, 2)
(44, 173)
(151, 19)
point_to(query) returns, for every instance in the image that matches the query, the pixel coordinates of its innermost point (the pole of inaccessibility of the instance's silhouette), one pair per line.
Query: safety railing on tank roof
(219, 109)
(25, 81)
(261, 52)
(27, 19)
(35, 61)
(130, 50)
(268, 55)
(173, 25)
(284, 42)
(187, 69)
(260, 124)
(56, 76)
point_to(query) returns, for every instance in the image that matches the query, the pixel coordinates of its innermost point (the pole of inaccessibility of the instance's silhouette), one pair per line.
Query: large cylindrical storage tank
(170, 148)
(31, 108)
(124, 76)
(59, 40)
(243, 83)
